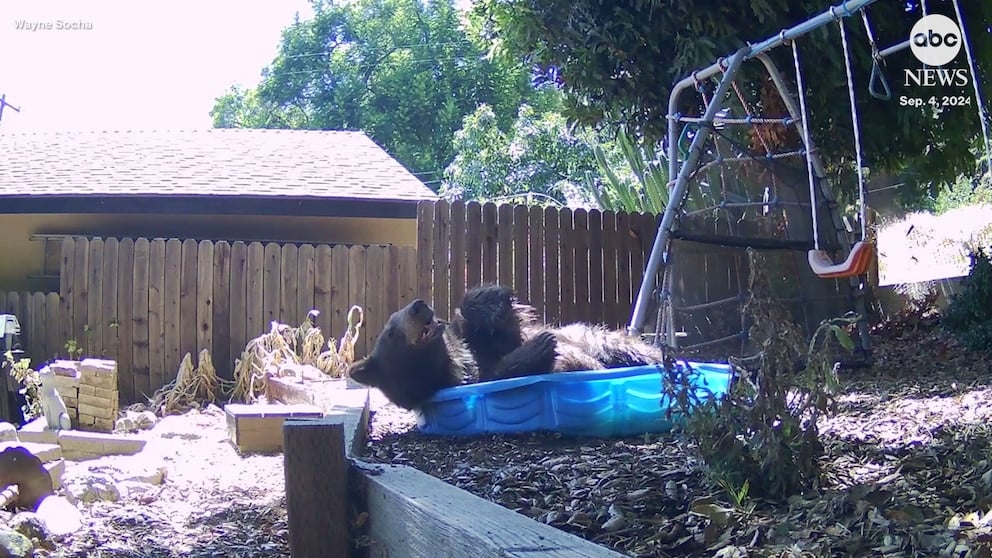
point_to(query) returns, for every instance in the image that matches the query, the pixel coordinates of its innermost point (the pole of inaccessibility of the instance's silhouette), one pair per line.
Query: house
(332, 187)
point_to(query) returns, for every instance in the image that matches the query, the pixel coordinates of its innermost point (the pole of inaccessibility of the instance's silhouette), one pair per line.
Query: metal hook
(698, 84)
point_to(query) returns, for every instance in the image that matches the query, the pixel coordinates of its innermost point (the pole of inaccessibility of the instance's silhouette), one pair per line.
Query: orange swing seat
(857, 262)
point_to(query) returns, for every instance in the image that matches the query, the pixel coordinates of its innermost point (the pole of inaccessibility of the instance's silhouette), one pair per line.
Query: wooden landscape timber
(414, 514)
(409, 513)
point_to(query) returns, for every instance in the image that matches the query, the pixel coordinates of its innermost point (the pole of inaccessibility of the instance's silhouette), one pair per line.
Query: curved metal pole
(677, 194)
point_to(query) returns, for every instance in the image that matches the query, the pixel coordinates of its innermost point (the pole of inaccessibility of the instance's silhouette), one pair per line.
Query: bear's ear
(365, 371)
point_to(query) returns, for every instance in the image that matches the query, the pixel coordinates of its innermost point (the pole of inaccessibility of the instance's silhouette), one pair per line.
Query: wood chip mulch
(908, 471)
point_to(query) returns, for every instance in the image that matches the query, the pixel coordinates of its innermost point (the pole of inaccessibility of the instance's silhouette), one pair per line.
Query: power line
(465, 42)
(382, 63)
(4, 104)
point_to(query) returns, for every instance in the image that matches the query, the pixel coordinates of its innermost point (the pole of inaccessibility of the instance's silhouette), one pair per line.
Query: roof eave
(288, 206)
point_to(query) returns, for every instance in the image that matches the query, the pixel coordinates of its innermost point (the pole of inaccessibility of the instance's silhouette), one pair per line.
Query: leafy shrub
(21, 371)
(969, 314)
(763, 434)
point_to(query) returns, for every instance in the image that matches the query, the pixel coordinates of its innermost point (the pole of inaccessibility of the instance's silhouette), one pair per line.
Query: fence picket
(108, 296)
(156, 314)
(220, 307)
(125, 317)
(457, 233)
(140, 380)
(595, 247)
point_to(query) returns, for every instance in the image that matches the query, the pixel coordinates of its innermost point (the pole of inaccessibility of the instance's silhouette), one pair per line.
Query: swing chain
(804, 122)
(877, 75)
(857, 129)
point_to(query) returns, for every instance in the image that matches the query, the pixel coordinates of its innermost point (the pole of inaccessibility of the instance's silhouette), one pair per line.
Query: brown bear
(492, 336)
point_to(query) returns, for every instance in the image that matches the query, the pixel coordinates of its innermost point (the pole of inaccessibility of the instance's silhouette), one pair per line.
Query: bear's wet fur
(492, 336)
(493, 322)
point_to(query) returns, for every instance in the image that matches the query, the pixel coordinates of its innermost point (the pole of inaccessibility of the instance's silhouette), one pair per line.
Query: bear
(493, 322)
(416, 355)
(491, 336)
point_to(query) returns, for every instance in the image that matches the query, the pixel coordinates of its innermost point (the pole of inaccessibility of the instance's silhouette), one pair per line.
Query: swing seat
(857, 262)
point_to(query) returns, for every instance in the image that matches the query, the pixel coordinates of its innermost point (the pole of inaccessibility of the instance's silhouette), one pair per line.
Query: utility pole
(4, 104)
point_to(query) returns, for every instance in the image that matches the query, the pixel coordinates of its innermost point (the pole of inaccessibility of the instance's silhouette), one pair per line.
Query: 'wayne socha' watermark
(935, 41)
(57, 25)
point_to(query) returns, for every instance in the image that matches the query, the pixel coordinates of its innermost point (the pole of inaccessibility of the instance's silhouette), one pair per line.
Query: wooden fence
(40, 318)
(148, 302)
(569, 264)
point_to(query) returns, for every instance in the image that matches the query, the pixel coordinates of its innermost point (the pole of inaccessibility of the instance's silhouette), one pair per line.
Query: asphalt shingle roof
(213, 162)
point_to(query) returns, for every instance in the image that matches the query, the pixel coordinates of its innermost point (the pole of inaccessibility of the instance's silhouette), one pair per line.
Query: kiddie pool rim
(459, 392)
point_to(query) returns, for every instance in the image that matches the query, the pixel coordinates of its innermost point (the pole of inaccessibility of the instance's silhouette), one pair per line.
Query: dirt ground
(908, 473)
(212, 502)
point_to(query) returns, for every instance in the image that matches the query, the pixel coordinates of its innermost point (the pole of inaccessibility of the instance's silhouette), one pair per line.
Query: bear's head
(410, 360)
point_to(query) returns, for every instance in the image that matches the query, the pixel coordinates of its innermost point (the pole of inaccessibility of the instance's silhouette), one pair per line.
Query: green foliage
(403, 71)
(967, 190)
(20, 370)
(539, 154)
(632, 178)
(636, 183)
(243, 108)
(72, 347)
(738, 495)
(969, 315)
(762, 437)
(617, 63)
(971, 186)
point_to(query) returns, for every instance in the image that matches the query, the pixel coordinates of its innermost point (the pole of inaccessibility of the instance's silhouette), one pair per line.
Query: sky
(132, 65)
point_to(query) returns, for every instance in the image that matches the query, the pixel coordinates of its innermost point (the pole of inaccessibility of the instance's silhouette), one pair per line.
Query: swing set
(686, 166)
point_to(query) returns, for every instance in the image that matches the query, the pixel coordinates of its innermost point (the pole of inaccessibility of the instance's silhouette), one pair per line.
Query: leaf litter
(907, 471)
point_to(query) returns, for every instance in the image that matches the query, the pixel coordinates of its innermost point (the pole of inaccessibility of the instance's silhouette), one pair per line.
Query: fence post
(316, 487)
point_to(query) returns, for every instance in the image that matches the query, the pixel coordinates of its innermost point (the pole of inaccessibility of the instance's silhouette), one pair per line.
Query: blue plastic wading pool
(604, 403)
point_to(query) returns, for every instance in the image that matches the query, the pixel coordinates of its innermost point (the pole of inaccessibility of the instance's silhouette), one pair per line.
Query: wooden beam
(416, 515)
(335, 400)
(316, 487)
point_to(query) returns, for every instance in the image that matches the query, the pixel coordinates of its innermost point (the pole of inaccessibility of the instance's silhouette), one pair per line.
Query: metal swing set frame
(861, 253)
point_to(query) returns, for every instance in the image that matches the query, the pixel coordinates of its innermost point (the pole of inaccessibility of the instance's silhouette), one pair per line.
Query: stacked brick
(89, 389)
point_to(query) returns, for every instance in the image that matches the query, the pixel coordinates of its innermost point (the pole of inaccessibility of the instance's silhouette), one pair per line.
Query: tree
(244, 108)
(538, 154)
(617, 62)
(403, 71)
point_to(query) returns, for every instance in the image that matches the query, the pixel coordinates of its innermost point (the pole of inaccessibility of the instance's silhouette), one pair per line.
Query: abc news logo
(935, 40)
